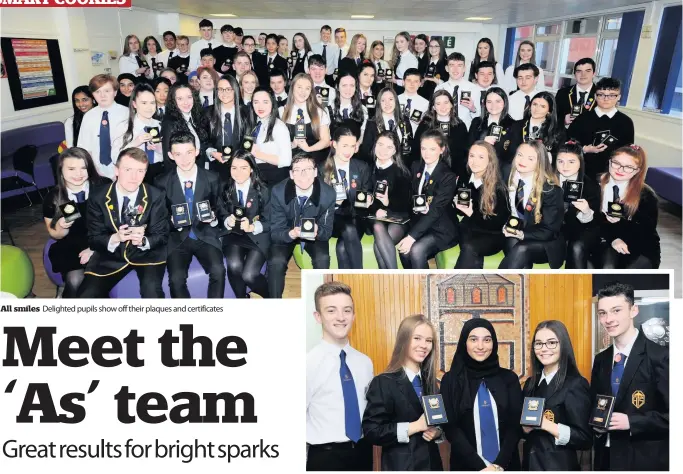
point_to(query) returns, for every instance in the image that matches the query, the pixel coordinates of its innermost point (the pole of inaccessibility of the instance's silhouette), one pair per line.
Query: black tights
(523, 253)
(474, 246)
(349, 249)
(72, 280)
(422, 250)
(244, 269)
(386, 237)
(612, 259)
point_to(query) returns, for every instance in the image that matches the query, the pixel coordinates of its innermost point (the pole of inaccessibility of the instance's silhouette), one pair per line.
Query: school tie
(80, 197)
(189, 198)
(299, 115)
(392, 124)
(346, 114)
(417, 385)
(357, 61)
(351, 409)
(342, 175)
(426, 181)
(325, 54)
(280, 102)
(617, 372)
(161, 114)
(206, 102)
(340, 54)
(150, 153)
(582, 98)
(105, 140)
(456, 90)
(534, 131)
(487, 425)
(615, 191)
(227, 130)
(519, 198)
(210, 46)
(125, 211)
(406, 111)
(270, 62)
(398, 61)
(256, 130)
(240, 197)
(170, 55)
(302, 202)
(527, 102)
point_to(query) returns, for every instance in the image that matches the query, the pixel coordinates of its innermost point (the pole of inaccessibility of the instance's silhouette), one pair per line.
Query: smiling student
(413, 106)
(402, 59)
(132, 61)
(527, 79)
(274, 60)
(205, 42)
(316, 69)
(468, 108)
(227, 125)
(388, 117)
(485, 53)
(126, 85)
(526, 54)
(303, 52)
(152, 52)
(337, 379)
(170, 41)
(180, 62)
(82, 100)
(184, 113)
(329, 53)
(435, 68)
(581, 94)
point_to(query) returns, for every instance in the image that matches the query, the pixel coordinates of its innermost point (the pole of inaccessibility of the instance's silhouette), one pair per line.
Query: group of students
(348, 410)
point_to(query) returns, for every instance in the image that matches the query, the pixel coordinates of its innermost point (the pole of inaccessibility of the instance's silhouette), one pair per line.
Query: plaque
(155, 132)
(466, 95)
(325, 96)
(602, 411)
(182, 68)
(158, 66)
(611, 140)
(204, 211)
(434, 409)
(513, 225)
(240, 213)
(290, 61)
(180, 213)
(293, 54)
(228, 62)
(464, 197)
(340, 190)
(431, 70)
(419, 203)
(388, 74)
(307, 228)
(405, 146)
(336, 72)
(576, 110)
(600, 137)
(497, 132)
(380, 187)
(300, 131)
(615, 209)
(416, 116)
(572, 190)
(248, 143)
(70, 211)
(362, 199)
(532, 412)
(369, 102)
(445, 127)
(227, 153)
(380, 75)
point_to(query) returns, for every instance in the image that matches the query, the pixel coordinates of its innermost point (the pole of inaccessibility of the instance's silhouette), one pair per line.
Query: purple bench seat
(667, 183)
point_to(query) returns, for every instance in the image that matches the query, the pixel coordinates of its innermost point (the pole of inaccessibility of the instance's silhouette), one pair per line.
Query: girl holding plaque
(64, 213)
(131, 61)
(184, 113)
(152, 49)
(483, 402)
(436, 71)
(303, 52)
(484, 208)
(485, 52)
(247, 244)
(628, 217)
(394, 416)
(540, 123)
(555, 378)
(391, 181)
(377, 58)
(82, 100)
(369, 88)
(347, 106)
(387, 117)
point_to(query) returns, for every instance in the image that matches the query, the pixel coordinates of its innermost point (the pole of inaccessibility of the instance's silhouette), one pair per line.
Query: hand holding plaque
(420, 203)
(363, 199)
(601, 412)
(572, 190)
(513, 225)
(532, 412)
(70, 211)
(307, 228)
(180, 215)
(496, 132)
(464, 197)
(240, 213)
(615, 209)
(204, 211)
(380, 187)
(155, 132)
(576, 110)
(434, 409)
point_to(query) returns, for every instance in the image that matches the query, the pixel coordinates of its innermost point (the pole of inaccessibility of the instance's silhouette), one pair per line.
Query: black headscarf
(120, 98)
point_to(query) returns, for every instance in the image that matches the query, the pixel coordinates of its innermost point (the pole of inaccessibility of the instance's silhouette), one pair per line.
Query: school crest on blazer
(638, 399)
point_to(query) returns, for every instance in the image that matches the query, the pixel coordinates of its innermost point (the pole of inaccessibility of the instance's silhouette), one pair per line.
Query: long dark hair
(442, 50)
(256, 181)
(307, 45)
(431, 118)
(78, 115)
(491, 58)
(398, 156)
(144, 48)
(567, 362)
(356, 102)
(216, 118)
(548, 130)
(533, 55)
(273, 113)
(379, 115)
(132, 112)
(328, 167)
(436, 134)
(62, 194)
(484, 124)
(572, 147)
(175, 116)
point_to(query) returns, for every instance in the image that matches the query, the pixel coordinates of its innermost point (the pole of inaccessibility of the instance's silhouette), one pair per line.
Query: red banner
(67, 3)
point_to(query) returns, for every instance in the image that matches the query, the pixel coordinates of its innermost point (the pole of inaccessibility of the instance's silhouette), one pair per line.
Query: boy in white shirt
(464, 93)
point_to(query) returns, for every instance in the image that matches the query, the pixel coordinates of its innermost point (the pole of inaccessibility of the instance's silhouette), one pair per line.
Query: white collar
(547, 377)
(476, 181)
(343, 166)
(430, 169)
(86, 188)
(610, 113)
(120, 193)
(457, 82)
(244, 187)
(527, 183)
(621, 184)
(283, 95)
(627, 349)
(491, 120)
(308, 192)
(322, 84)
(328, 346)
(383, 166)
(225, 110)
(530, 94)
(580, 89)
(573, 177)
(187, 115)
(443, 118)
(411, 375)
(192, 177)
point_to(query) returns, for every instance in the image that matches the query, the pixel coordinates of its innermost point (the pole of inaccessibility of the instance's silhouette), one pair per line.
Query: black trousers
(244, 269)
(523, 253)
(340, 456)
(150, 277)
(612, 259)
(422, 250)
(72, 281)
(209, 257)
(280, 254)
(474, 246)
(580, 247)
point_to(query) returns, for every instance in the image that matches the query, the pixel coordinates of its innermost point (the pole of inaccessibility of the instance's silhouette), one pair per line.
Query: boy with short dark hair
(573, 100)
(206, 41)
(526, 76)
(465, 94)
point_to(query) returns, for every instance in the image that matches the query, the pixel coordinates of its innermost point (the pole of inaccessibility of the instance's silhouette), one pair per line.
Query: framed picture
(34, 72)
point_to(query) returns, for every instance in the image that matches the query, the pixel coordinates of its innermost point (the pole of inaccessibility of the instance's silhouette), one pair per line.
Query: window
(678, 96)
(476, 296)
(502, 295)
(450, 296)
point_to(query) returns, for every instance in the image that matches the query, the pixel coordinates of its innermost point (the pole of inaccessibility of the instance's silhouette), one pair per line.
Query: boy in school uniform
(468, 108)
(635, 371)
(485, 77)
(337, 377)
(340, 41)
(196, 187)
(206, 41)
(302, 196)
(208, 59)
(603, 129)
(526, 76)
(127, 230)
(413, 106)
(329, 53)
(316, 69)
(273, 60)
(241, 64)
(180, 62)
(225, 53)
(277, 85)
(171, 49)
(572, 101)
(262, 43)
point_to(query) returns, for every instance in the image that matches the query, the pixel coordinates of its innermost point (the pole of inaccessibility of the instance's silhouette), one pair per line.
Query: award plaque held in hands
(532, 412)
(307, 228)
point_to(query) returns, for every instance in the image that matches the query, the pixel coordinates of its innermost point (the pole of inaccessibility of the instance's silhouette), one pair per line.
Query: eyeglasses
(303, 171)
(552, 344)
(228, 89)
(619, 167)
(249, 45)
(600, 95)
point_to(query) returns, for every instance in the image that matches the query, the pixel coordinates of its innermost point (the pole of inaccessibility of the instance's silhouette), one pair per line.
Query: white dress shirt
(428, 169)
(517, 102)
(196, 49)
(583, 218)
(408, 61)
(331, 56)
(564, 430)
(138, 129)
(343, 51)
(187, 116)
(626, 350)
(208, 95)
(509, 83)
(224, 111)
(323, 116)
(244, 187)
(528, 187)
(349, 108)
(72, 194)
(280, 144)
(608, 192)
(417, 102)
(476, 181)
(464, 114)
(324, 396)
(165, 55)
(89, 134)
(129, 64)
(477, 424)
(397, 128)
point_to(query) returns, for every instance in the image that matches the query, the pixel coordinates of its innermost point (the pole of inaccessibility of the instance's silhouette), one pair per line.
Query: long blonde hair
(394, 51)
(403, 337)
(312, 106)
(491, 180)
(542, 174)
(352, 54)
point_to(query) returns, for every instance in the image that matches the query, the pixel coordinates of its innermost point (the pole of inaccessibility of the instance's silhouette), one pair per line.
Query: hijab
(120, 98)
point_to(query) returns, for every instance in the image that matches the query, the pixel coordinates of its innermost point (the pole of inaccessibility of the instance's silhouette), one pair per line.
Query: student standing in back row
(526, 54)
(402, 59)
(132, 61)
(468, 108)
(206, 41)
(581, 94)
(329, 52)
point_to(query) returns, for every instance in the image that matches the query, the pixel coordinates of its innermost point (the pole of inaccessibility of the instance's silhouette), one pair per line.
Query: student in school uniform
(442, 114)
(152, 50)
(316, 68)
(278, 84)
(180, 62)
(540, 123)
(239, 38)
(526, 54)
(193, 81)
(95, 135)
(536, 200)
(635, 370)
(170, 75)
(376, 55)
(161, 87)
(283, 46)
(468, 108)
(564, 429)
(248, 85)
(394, 417)
(329, 53)
(368, 87)
(128, 227)
(208, 78)
(272, 147)
(589, 127)
(184, 113)
(630, 241)
(240, 66)
(580, 228)
(262, 43)
(388, 117)
(483, 403)
(580, 94)
(208, 60)
(485, 53)
(436, 228)
(355, 55)
(420, 48)
(303, 195)
(348, 177)
(225, 53)
(337, 378)
(82, 101)
(526, 76)
(347, 107)
(393, 203)
(171, 50)
(303, 108)
(304, 51)
(435, 69)
(486, 212)
(131, 60)
(413, 106)
(340, 41)
(495, 113)
(205, 42)
(402, 59)
(138, 129)
(484, 77)
(76, 176)
(126, 83)
(257, 61)
(247, 244)
(274, 60)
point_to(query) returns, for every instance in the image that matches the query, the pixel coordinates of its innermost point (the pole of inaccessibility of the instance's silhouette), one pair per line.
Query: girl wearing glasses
(631, 241)
(436, 72)
(555, 377)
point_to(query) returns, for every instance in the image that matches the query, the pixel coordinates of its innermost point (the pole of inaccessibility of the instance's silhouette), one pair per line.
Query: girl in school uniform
(247, 243)
(347, 106)
(349, 177)
(126, 85)
(303, 108)
(435, 228)
(248, 84)
(540, 123)
(526, 53)
(487, 210)
(402, 59)
(483, 403)
(394, 202)
(536, 200)
(184, 113)
(388, 117)
(394, 417)
(208, 78)
(436, 71)
(152, 50)
(485, 52)
(272, 146)
(283, 47)
(495, 113)
(631, 241)
(170, 75)
(368, 87)
(443, 116)
(581, 216)
(304, 51)
(355, 56)
(555, 377)
(377, 57)
(76, 177)
(421, 53)
(82, 100)
(132, 62)
(161, 86)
